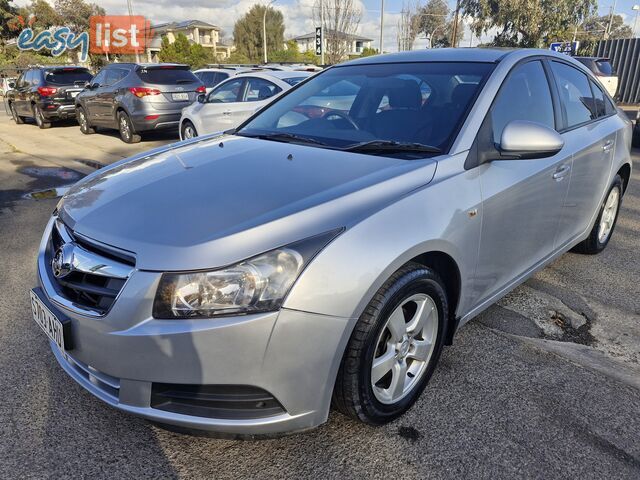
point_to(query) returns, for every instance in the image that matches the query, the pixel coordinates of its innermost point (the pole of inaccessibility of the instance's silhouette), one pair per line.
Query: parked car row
(137, 98)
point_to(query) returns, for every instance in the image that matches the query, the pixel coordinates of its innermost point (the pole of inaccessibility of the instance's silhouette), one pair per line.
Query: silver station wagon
(324, 252)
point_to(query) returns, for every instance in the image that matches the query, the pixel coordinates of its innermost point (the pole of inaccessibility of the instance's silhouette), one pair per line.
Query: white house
(355, 43)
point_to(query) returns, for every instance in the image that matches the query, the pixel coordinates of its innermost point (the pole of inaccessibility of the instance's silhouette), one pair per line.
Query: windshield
(386, 104)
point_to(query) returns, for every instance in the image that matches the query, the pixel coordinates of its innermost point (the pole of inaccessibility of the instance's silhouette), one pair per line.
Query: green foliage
(247, 32)
(435, 22)
(76, 13)
(236, 58)
(593, 28)
(526, 23)
(182, 51)
(45, 15)
(368, 52)
(7, 13)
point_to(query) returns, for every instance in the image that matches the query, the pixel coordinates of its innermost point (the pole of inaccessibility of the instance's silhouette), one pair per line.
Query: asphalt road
(515, 396)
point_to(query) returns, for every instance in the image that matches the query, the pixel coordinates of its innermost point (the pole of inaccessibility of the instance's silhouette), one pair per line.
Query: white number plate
(47, 321)
(181, 97)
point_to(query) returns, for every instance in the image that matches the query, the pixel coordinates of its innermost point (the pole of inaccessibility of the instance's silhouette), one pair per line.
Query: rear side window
(259, 89)
(525, 95)
(599, 99)
(575, 94)
(66, 76)
(605, 68)
(114, 75)
(167, 76)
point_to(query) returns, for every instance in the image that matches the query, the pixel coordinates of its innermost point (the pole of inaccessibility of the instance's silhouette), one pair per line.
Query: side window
(599, 99)
(36, 78)
(260, 89)
(28, 78)
(525, 95)
(21, 80)
(208, 78)
(575, 94)
(226, 93)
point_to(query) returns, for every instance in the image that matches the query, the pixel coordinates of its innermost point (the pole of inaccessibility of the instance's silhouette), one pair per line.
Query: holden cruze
(324, 252)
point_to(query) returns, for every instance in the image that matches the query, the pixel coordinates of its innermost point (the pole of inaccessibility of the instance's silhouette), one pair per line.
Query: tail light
(201, 89)
(144, 91)
(47, 91)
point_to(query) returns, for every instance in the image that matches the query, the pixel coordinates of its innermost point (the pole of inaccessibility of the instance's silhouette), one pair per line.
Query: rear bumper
(156, 121)
(57, 111)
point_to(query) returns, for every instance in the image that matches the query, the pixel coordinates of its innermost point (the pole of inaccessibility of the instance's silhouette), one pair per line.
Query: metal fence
(625, 58)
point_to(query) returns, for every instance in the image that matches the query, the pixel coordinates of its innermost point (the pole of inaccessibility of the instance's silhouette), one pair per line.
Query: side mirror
(11, 84)
(202, 98)
(522, 139)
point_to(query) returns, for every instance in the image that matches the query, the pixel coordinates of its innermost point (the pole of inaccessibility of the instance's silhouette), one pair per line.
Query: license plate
(181, 97)
(47, 321)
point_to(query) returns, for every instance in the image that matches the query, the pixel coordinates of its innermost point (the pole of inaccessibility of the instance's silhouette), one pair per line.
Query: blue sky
(297, 15)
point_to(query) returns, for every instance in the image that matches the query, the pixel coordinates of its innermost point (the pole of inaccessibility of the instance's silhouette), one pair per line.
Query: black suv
(135, 98)
(47, 93)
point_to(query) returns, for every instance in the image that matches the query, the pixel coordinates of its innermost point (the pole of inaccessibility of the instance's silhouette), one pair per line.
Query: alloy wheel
(125, 130)
(609, 214)
(404, 348)
(189, 132)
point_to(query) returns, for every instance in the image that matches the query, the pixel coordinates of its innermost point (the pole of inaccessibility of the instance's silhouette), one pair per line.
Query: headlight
(259, 284)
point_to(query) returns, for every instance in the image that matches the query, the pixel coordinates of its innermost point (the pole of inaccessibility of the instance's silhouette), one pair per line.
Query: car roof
(464, 54)
(279, 74)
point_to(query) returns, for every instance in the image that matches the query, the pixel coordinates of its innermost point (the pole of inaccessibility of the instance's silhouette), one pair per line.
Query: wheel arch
(625, 174)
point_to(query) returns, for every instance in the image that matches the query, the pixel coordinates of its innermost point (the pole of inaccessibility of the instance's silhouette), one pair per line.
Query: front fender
(439, 217)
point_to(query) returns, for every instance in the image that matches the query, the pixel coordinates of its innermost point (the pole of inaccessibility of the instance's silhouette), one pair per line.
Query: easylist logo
(119, 34)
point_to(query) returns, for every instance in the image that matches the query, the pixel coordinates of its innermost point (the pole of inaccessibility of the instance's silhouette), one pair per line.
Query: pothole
(48, 193)
(55, 172)
(555, 319)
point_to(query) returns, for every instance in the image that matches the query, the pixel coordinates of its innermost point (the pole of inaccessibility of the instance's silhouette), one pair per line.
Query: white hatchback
(234, 100)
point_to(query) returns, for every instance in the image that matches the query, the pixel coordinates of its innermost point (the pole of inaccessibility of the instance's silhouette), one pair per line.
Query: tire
(607, 217)
(125, 127)
(39, 118)
(355, 394)
(16, 118)
(187, 127)
(83, 121)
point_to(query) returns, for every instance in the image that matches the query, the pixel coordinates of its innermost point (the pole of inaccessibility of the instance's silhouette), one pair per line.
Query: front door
(217, 113)
(521, 199)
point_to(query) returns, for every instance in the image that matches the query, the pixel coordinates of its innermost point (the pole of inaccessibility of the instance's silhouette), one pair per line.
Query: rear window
(293, 80)
(67, 77)
(605, 68)
(167, 76)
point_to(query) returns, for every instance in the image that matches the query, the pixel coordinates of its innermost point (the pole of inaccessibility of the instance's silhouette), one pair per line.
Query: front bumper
(120, 357)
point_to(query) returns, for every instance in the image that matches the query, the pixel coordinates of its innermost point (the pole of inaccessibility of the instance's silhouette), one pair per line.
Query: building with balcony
(354, 43)
(196, 31)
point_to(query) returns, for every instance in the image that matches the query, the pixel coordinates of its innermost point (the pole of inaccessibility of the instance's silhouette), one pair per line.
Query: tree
(408, 26)
(182, 51)
(594, 28)
(289, 54)
(76, 13)
(7, 13)
(341, 21)
(525, 23)
(43, 13)
(369, 52)
(247, 32)
(435, 22)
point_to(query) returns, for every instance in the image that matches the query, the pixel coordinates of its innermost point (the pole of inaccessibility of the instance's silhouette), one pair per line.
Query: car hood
(212, 202)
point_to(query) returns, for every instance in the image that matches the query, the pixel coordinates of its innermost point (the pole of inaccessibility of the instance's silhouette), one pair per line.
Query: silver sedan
(324, 252)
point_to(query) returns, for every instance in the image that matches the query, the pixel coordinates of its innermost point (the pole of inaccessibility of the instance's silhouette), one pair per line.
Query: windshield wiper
(284, 137)
(391, 146)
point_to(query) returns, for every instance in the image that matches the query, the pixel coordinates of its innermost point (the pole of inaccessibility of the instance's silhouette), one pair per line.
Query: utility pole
(454, 30)
(264, 29)
(322, 32)
(381, 25)
(613, 9)
(130, 7)
(635, 8)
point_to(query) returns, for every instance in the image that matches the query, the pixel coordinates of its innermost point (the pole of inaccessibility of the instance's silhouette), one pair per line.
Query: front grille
(97, 275)
(231, 402)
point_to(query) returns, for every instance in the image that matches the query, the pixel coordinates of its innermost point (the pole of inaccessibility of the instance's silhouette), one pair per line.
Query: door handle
(608, 145)
(227, 112)
(560, 173)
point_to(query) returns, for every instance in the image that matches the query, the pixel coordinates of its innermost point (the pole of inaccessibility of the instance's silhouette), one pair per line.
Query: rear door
(589, 131)
(521, 199)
